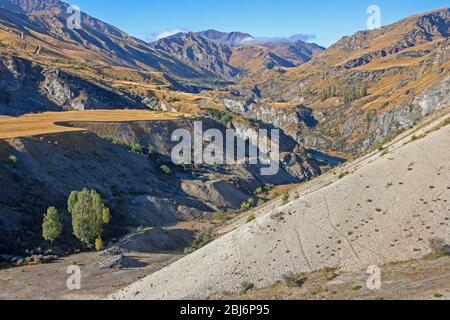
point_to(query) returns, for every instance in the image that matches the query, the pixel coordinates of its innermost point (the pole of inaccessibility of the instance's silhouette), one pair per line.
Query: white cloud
(291, 39)
(166, 33)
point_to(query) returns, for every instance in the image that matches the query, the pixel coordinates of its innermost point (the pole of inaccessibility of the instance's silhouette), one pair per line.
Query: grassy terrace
(52, 122)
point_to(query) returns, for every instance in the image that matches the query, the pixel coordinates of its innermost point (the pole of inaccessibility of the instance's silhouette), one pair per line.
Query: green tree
(89, 215)
(52, 226)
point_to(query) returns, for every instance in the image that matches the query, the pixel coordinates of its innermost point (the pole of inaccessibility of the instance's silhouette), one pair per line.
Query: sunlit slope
(386, 208)
(52, 122)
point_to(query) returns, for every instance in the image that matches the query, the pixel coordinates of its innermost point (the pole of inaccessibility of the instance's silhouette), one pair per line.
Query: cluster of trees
(353, 93)
(88, 215)
(328, 92)
(221, 116)
(347, 95)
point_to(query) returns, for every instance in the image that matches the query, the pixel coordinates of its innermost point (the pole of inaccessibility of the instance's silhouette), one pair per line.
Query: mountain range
(364, 88)
(353, 100)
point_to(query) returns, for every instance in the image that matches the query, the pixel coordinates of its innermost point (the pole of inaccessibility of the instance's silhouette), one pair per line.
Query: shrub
(220, 217)
(446, 122)
(150, 150)
(414, 138)
(89, 215)
(439, 247)
(13, 159)
(261, 202)
(379, 146)
(51, 227)
(246, 286)
(201, 240)
(291, 280)
(251, 217)
(357, 287)
(247, 205)
(136, 147)
(258, 191)
(99, 244)
(343, 174)
(269, 187)
(166, 169)
(220, 116)
(285, 198)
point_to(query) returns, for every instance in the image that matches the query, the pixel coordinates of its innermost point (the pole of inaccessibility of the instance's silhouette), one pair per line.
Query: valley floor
(48, 281)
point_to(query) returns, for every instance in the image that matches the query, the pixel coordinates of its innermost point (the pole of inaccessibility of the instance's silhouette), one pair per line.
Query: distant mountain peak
(28, 6)
(228, 38)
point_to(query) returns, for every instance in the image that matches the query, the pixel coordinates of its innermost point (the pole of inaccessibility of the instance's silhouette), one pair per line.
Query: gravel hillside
(386, 209)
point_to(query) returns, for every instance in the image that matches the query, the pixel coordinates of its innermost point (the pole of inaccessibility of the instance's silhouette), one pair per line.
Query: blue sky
(326, 19)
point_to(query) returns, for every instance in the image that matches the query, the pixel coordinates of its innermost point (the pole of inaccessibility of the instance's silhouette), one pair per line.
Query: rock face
(219, 193)
(153, 240)
(30, 5)
(201, 53)
(28, 87)
(297, 163)
(390, 123)
(115, 262)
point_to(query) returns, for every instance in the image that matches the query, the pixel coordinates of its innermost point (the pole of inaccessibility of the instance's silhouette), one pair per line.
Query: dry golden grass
(53, 122)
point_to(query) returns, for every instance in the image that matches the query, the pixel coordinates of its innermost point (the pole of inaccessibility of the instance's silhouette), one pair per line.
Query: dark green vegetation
(88, 215)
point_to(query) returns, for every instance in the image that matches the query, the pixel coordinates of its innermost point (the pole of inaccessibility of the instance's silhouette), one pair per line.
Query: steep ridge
(40, 28)
(199, 52)
(365, 218)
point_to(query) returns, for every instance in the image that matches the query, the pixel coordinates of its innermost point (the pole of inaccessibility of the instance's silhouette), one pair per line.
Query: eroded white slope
(384, 211)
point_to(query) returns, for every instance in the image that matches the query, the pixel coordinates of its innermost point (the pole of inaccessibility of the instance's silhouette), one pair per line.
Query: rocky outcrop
(72, 93)
(389, 124)
(28, 87)
(218, 192)
(153, 240)
(207, 56)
